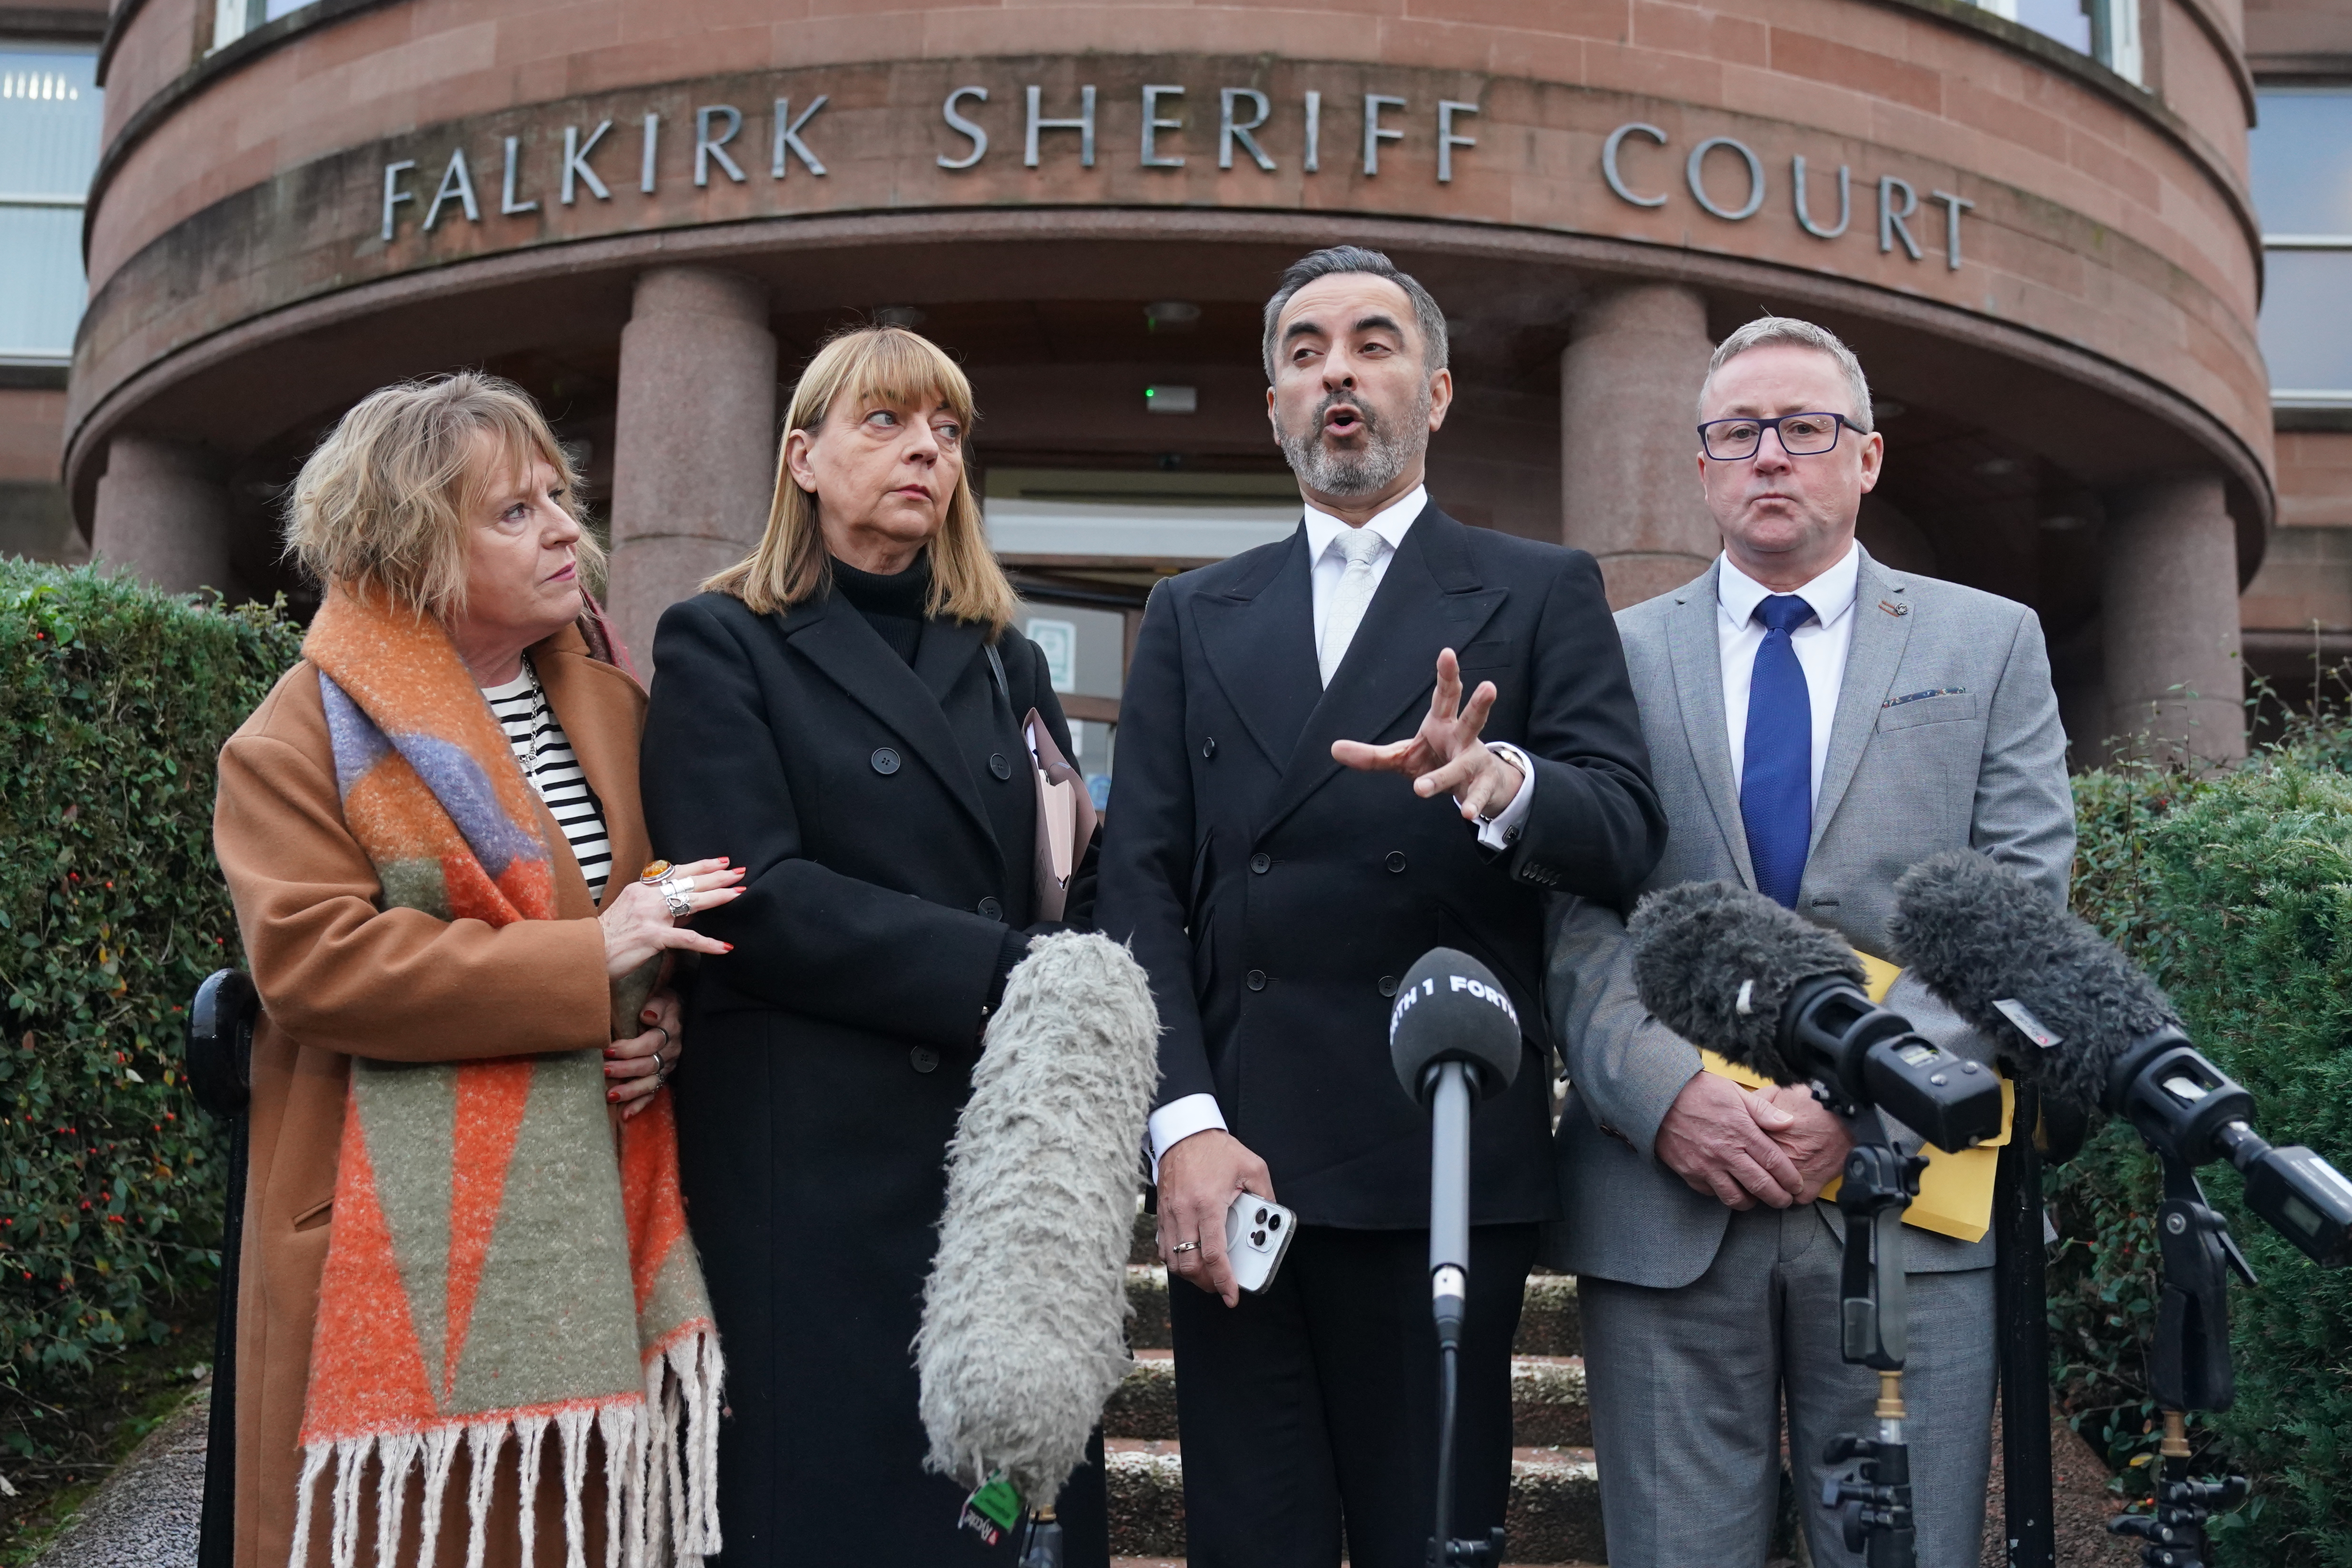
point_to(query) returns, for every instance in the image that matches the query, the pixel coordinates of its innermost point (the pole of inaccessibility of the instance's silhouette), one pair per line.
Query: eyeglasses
(1802, 436)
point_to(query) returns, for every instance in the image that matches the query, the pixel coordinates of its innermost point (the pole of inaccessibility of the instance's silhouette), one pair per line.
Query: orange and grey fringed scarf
(505, 1265)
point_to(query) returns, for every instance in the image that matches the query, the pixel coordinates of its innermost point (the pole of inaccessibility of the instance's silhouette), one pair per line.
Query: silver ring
(659, 1068)
(668, 1039)
(677, 903)
(683, 884)
(1185, 1246)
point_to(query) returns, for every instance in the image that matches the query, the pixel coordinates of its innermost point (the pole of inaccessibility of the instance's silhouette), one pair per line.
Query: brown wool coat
(338, 978)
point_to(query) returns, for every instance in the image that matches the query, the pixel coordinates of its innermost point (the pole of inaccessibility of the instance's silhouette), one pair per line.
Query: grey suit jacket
(1947, 736)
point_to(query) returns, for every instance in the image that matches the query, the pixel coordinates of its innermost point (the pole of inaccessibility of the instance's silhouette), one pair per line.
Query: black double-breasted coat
(886, 817)
(1277, 897)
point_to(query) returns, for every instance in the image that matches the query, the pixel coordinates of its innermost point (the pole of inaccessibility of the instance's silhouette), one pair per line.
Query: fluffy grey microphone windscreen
(1716, 963)
(1024, 1312)
(1975, 933)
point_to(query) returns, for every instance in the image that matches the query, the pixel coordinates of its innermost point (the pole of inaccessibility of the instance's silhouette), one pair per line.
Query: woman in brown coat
(430, 828)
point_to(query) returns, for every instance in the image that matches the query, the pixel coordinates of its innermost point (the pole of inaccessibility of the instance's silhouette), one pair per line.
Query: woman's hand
(634, 1069)
(639, 924)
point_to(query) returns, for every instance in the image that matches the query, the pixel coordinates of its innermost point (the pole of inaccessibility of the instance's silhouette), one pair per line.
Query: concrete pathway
(146, 1513)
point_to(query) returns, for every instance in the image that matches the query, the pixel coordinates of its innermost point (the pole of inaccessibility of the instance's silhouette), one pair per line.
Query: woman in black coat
(843, 710)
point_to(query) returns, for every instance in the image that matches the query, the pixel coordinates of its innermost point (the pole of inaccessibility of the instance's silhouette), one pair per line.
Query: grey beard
(1386, 452)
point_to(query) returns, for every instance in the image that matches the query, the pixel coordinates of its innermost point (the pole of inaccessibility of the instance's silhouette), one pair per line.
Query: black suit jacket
(1277, 898)
(885, 816)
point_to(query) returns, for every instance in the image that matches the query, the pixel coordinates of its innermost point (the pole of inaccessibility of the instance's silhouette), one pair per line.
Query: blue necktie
(1776, 776)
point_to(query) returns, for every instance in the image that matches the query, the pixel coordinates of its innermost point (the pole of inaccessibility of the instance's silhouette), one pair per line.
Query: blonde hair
(872, 365)
(382, 501)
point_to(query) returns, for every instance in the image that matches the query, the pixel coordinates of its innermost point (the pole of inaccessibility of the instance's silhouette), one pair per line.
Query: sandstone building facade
(2039, 223)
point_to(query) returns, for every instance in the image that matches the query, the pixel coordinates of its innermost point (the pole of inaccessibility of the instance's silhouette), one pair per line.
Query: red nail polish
(729, 946)
(614, 1095)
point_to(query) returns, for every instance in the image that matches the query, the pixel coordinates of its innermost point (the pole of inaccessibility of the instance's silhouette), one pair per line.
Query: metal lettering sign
(1724, 177)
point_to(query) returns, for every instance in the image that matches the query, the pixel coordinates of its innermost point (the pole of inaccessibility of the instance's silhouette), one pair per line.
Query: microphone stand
(2022, 1293)
(1042, 1548)
(1873, 1495)
(2189, 1368)
(1450, 1094)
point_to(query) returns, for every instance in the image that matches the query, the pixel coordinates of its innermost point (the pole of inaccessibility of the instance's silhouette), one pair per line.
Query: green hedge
(2236, 893)
(114, 701)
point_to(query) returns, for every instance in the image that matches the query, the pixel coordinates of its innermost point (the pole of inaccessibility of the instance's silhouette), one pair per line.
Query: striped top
(521, 709)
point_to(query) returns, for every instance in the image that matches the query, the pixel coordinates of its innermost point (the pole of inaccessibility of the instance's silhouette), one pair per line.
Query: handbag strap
(996, 671)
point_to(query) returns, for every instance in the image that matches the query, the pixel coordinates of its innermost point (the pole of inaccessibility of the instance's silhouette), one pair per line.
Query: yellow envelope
(1955, 1190)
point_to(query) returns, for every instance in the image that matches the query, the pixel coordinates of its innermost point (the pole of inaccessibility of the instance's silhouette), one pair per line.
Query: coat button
(1208, 747)
(922, 1058)
(1261, 862)
(1255, 980)
(991, 908)
(884, 761)
(1388, 985)
(999, 766)
(1396, 859)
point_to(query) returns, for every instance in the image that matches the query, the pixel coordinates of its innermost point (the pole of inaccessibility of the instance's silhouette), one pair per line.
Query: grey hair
(1768, 332)
(1337, 259)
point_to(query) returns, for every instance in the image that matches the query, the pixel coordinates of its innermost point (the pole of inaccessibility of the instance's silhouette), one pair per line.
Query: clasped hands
(1745, 1146)
(638, 930)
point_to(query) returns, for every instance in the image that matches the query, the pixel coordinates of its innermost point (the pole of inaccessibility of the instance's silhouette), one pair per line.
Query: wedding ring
(1186, 1247)
(656, 872)
(677, 903)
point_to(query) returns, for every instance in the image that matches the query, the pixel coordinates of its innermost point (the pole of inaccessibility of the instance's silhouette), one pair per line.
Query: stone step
(1554, 1515)
(1549, 1324)
(1548, 1409)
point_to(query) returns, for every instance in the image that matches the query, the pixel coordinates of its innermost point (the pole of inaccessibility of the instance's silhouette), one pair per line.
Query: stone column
(694, 451)
(162, 513)
(1629, 384)
(2169, 621)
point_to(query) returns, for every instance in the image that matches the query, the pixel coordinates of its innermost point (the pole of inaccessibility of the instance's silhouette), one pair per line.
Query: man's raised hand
(1446, 756)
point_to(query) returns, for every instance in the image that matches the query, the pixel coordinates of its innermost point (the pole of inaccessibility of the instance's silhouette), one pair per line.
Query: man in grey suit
(1817, 724)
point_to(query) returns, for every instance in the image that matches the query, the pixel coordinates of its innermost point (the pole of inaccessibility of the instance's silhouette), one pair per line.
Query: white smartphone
(1257, 1233)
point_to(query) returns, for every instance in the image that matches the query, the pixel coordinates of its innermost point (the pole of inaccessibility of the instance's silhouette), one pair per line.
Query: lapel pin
(1892, 608)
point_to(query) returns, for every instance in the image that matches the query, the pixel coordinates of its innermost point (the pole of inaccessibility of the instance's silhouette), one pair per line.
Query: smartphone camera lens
(1261, 1216)
(1258, 1238)
(1274, 1223)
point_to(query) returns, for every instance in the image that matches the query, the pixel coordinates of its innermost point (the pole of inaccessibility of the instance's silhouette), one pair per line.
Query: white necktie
(1363, 547)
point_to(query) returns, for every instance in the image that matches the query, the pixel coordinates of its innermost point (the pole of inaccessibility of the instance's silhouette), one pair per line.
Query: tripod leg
(2023, 1309)
(216, 1529)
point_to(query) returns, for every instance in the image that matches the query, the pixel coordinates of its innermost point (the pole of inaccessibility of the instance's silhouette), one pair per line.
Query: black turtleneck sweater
(893, 604)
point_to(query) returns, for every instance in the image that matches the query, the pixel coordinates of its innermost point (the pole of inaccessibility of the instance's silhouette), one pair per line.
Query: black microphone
(2098, 1034)
(1452, 1036)
(1729, 969)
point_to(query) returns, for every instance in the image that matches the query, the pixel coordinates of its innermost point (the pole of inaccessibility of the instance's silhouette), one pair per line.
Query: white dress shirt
(1821, 647)
(1179, 1119)
(1391, 522)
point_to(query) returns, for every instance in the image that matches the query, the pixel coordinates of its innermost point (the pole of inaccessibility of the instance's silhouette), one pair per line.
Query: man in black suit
(1277, 887)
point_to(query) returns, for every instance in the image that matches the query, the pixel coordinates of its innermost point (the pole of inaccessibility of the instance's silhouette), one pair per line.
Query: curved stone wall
(2001, 192)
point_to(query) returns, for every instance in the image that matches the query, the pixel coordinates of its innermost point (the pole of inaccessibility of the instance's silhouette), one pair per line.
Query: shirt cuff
(1501, 830)
(1178, 1120)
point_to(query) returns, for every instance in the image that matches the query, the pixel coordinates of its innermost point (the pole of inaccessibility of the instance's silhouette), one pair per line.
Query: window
(48, 146)
(233, 19)
(2106, 30)
(2301, 152)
